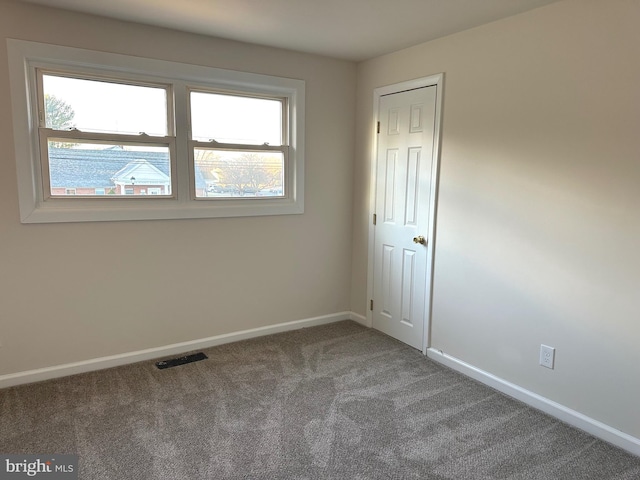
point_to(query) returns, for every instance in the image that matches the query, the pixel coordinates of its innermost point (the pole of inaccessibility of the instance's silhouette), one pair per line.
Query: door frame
(436, 80)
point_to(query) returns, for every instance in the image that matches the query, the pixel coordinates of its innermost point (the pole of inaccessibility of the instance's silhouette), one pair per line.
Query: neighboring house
(111, 172)
(140, 177)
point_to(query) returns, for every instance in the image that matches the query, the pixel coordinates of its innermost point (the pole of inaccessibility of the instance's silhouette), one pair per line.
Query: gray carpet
(333, 402)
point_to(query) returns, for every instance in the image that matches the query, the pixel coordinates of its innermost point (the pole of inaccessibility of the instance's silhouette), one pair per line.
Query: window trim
(25, 57)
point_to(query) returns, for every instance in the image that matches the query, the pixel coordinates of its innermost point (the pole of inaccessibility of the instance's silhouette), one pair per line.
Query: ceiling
(348, 29)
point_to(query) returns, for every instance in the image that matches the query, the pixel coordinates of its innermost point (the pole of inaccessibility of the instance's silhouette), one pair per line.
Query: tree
(58, 115)
(238, 173)
(250, 172)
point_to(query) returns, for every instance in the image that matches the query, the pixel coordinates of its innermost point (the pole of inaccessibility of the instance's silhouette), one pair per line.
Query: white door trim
(433, 80)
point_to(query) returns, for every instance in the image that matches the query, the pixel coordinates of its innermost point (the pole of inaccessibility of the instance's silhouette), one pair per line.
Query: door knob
(420, 239)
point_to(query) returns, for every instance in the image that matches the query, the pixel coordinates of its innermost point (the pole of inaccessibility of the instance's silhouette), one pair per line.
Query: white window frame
(37, 206)
(141, 139)
(282, 148)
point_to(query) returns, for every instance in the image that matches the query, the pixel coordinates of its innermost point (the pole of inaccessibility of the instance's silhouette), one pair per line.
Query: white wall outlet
(547, 356)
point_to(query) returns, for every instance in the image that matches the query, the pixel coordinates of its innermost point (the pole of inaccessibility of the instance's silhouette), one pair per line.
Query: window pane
(234, 119)
(105, 107)
(90, 169)
(239, 174)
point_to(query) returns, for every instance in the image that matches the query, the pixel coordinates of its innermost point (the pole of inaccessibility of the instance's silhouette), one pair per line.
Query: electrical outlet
(547, 356)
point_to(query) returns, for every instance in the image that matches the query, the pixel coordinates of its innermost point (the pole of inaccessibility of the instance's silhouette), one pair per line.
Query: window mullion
(184, 171)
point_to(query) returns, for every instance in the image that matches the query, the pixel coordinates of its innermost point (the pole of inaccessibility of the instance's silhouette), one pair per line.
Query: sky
(119, 108)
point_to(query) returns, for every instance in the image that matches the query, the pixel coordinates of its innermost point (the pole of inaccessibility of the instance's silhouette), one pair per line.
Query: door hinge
(371, 305)
(375, 218)
(378, 128)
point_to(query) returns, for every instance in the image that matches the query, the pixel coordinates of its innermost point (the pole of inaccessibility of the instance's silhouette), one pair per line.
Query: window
(97, 133)
(109, 137)
(242, 150)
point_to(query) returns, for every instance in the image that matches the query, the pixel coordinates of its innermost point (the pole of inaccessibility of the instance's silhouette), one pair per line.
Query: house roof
(142, 173)
(75, 168)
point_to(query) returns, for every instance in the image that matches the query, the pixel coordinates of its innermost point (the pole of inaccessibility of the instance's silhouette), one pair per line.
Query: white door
(403, 205)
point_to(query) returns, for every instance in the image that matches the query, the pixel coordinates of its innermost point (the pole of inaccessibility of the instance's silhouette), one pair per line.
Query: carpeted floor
(333, 402)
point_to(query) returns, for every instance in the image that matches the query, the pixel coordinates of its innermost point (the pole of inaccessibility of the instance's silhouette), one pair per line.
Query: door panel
(390, 187)
(403, 183)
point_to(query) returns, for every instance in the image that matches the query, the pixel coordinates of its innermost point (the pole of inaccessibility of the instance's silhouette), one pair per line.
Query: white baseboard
(101, 363)
(361, 319)
(594, 427)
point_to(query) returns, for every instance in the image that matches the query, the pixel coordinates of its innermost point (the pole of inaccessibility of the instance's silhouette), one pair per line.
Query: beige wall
(538, 226)
(71, 292)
